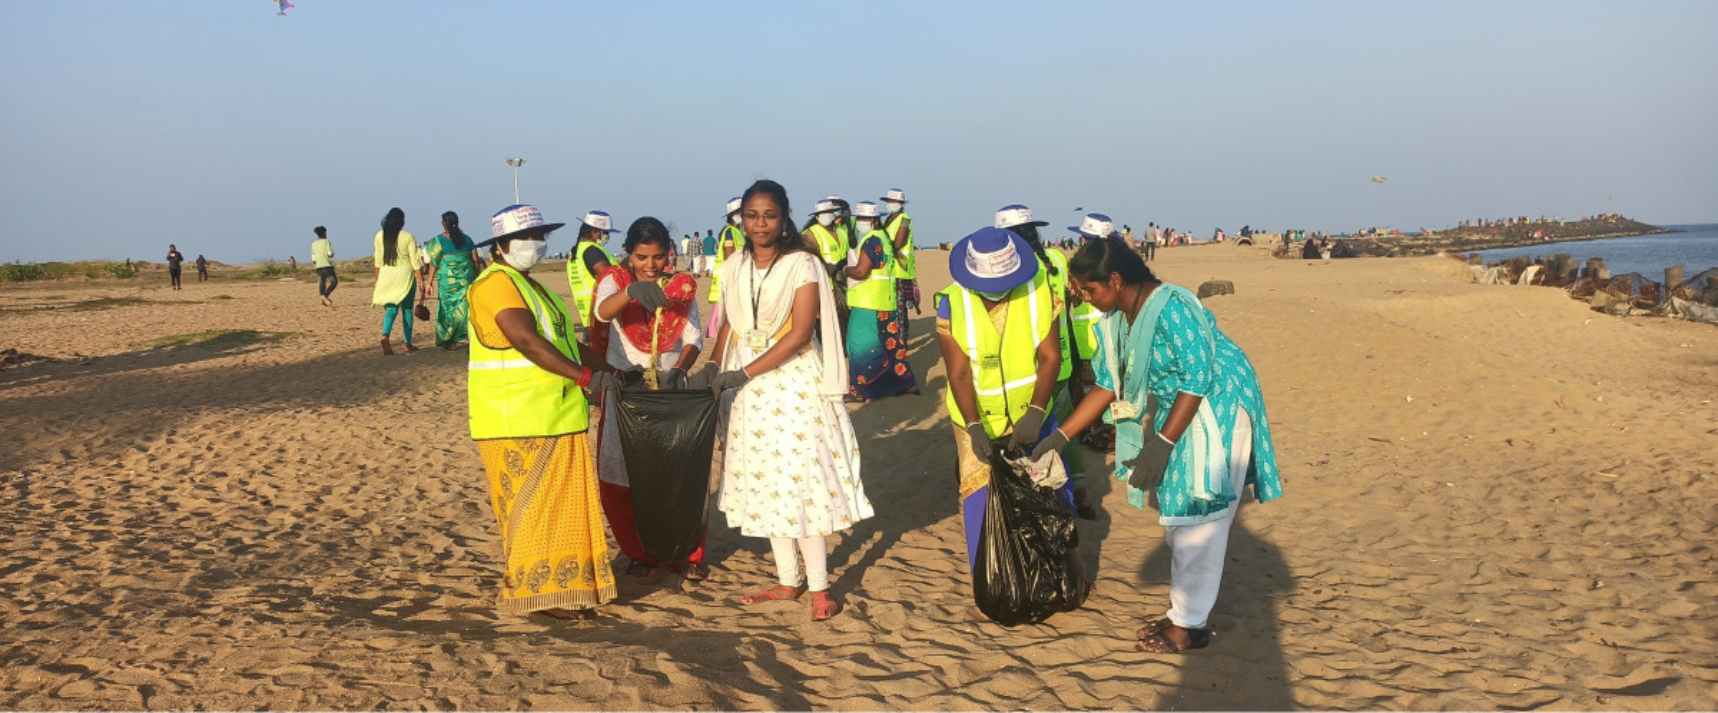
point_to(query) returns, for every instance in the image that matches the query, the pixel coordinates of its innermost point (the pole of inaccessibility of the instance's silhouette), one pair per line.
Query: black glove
(601, 382)
(730, 379)
(980, 440)
(701, 378)
(1026, 429)
(1153, 459)
(1050, 445)
(648, 294)
(672, 378)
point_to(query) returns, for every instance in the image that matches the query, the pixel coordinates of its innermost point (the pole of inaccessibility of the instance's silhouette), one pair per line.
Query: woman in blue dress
(1191, 459)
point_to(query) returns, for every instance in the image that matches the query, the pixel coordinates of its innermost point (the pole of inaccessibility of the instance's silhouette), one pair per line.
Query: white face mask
(525, 254)
(891, 207)
(864, 225)
(994, 296)
(734, 219)
(825, 219)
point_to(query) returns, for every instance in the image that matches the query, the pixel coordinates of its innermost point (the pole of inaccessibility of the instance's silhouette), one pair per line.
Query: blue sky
(230, 131)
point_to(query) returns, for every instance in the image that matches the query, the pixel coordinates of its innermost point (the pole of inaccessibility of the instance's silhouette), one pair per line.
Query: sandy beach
(1495, 498)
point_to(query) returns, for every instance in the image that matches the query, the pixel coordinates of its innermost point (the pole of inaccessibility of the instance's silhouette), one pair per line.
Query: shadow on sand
(1244, 668)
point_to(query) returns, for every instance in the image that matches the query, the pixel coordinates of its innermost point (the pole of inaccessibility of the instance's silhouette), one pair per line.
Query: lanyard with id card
(1121, 409)
(757, 338)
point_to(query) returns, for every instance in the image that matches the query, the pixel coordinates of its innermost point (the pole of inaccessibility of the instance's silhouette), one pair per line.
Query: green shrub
(22, 272)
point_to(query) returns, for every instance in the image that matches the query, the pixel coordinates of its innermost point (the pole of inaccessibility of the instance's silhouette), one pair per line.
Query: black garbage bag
(1028, 565)
(667, 438)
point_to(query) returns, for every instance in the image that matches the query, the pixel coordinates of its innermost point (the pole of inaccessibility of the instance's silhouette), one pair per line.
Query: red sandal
(823, 606)
(777, 593)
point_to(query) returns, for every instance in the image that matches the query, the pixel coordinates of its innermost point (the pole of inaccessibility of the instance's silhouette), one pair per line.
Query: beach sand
(1495, 499)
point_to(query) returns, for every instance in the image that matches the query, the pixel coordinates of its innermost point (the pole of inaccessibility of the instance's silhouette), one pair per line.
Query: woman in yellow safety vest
(1017, 218)
(730, 240)
(589, 258)
(996, 331)
(526, 387)
(876, 334)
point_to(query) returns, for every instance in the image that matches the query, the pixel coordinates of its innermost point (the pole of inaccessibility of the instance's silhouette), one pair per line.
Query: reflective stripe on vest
(907, 264)
(507, 395)
(730, 235)
(1001, 400)
(582, 282)
(830, 246)
(876, 291)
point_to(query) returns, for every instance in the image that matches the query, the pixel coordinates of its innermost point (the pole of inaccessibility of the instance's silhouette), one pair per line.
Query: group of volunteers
(1038, 347)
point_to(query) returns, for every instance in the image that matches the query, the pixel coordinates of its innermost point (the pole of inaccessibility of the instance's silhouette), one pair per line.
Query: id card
(758, 340)
(1122, 410)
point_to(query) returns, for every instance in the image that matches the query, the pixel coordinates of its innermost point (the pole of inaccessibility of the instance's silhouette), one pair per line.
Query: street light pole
(515, 162)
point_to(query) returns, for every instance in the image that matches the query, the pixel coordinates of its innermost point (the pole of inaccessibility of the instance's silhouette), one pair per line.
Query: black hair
(392, 224)
(320, 231)
(647, 230)
(788, 241)
(586, 231)
(1029, 233)
(1100, 257)
(451, 220)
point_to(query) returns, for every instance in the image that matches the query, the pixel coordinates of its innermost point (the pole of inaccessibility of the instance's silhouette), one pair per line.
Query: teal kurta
(1177, 341)
(450, 257)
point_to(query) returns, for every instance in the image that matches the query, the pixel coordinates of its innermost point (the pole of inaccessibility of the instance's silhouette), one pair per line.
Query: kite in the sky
(284, 5)
(1379, 179)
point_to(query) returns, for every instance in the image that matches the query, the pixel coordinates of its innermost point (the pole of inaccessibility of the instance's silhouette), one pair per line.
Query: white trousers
(789, 550)
(1197, 551)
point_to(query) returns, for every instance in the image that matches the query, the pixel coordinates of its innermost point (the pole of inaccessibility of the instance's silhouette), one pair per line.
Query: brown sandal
(1158, 641)
(777, 593)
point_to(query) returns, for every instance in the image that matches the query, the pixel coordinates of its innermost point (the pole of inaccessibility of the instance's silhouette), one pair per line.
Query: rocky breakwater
(1677, 295)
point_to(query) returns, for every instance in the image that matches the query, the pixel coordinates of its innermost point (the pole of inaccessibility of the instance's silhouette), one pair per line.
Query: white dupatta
(775, 306)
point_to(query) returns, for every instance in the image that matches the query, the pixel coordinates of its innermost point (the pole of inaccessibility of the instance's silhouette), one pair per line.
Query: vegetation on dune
(87, 269)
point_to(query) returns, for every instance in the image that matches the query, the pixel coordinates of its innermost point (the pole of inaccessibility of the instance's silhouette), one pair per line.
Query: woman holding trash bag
(627, 300)
(1191, 431)
(996, 331)
(1017, 219)
(791, 464)
(526, 393)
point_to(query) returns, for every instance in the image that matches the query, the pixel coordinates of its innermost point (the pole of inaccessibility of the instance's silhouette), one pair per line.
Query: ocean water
(1696, 247)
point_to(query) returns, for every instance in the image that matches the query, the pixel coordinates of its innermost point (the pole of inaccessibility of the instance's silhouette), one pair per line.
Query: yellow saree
(544, 495)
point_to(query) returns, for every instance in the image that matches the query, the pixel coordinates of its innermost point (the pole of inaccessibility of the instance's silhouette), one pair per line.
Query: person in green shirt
(454, 260)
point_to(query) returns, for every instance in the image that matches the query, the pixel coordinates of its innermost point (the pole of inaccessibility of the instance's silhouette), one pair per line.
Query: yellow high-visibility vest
(730, 235)
(1004, 366)
(510, 397)
(1086, 318)
(907, 264)
(1059, 297)
(831, 246)
(877, 291)
(582, 282)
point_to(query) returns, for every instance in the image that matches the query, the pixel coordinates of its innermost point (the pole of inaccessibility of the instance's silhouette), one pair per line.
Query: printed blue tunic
(1177, 342)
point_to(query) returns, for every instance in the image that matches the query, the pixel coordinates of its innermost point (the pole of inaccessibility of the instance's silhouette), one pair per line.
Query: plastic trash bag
(667, 437)
(1028, 565)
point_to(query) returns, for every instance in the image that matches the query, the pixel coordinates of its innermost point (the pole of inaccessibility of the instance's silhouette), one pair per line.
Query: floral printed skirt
(791, 463)
(877, 354)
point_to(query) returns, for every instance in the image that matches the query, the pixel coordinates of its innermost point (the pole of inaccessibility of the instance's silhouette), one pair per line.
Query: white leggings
(1197, 551)
(788, 552)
